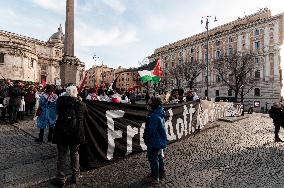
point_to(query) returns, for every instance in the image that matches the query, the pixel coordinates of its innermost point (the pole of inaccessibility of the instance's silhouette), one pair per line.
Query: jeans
(156, 161)
(61, 160)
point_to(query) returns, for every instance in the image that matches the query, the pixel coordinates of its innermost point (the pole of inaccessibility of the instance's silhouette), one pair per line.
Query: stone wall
(29, 59)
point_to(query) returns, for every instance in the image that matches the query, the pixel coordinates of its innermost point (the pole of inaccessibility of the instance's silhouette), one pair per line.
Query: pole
(207, 51)
(207, 60)
(242, 100)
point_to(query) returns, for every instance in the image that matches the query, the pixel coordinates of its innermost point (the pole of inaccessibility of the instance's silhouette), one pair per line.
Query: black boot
(40, 136)
(50, 134)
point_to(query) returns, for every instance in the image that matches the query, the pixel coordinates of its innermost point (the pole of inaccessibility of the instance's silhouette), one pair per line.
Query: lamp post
(206, 19)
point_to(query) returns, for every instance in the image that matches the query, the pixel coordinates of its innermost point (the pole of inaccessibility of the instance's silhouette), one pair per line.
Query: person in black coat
(14, 102)
(277, 114)
(69, 133)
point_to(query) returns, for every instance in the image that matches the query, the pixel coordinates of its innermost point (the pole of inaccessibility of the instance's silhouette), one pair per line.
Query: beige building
(126, 79)
(98, 75)
(28, 59)
(261, 33)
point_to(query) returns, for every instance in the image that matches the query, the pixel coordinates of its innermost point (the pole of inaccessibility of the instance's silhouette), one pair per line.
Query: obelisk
(71, 68)
(69, 29)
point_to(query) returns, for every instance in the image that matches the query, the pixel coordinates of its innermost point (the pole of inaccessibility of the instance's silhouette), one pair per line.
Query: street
(238, 154)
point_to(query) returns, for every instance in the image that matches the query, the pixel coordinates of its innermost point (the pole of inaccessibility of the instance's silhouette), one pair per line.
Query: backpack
(67, 117)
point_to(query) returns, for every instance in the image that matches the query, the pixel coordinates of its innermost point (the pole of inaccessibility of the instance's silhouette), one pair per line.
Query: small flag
(43, 83)
(82, 83)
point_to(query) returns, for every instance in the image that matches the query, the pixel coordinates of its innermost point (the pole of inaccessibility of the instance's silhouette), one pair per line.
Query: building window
(217, 93)
(218, 54)
(230, 39)
(257, 74)
(57, 53)
(206, 94)
(230, 92)
(191, 50)
(218, 43)
(32, 63)
(218, 79)
(166, 65)
(2, 59)
(257, 60)
(230, 51)
(256, 33)
(191, 59)
(257, 45)
(257, 92)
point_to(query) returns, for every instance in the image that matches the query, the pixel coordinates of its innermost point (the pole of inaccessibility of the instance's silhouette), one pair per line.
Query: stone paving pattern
(237, 154)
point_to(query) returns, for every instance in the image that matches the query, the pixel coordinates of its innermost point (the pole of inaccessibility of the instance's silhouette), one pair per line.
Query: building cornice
(26, 39)
(240, 24)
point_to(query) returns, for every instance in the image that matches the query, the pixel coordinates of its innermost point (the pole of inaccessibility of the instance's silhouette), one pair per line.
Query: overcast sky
(124, 32)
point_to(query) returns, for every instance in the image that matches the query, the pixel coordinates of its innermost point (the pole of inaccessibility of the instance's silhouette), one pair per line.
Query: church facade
(260, 33)
(31, 60)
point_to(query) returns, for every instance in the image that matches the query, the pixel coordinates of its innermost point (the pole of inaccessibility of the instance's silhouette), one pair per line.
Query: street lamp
(206, 19)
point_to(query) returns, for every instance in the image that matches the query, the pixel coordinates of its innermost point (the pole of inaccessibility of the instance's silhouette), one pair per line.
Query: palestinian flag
(154, 75)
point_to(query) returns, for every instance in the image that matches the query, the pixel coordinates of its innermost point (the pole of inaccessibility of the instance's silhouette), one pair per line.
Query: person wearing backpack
(46, 113)
(69, 133)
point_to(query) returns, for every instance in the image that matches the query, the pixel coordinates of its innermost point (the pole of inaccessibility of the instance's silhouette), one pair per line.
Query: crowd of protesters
(19, 100)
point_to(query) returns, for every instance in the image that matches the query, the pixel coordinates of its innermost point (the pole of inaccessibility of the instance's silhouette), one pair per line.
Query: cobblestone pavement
(238, 154)
(22, 161)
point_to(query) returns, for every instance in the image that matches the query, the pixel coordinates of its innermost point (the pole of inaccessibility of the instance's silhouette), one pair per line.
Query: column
(69, 29)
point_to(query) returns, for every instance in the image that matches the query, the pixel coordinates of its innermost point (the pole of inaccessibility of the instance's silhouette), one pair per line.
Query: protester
(38, 93)
(155, 138)
(69, 133)
(84, 93)
(104, 97)
(30, 100)
(92, 95)
(180, 96)
(22, 108)
(189, 96)
(277, 114)
(14, 102)
(4, 94)
(124, 98)
(116, 97)
(46, 113)
(132, 97)
(195, 96)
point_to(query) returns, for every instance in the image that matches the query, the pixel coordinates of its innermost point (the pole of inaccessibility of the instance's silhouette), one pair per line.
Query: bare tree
(191, 70)
(238, 71)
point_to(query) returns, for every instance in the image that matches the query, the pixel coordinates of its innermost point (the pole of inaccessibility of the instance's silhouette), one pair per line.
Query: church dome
(58, 36)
